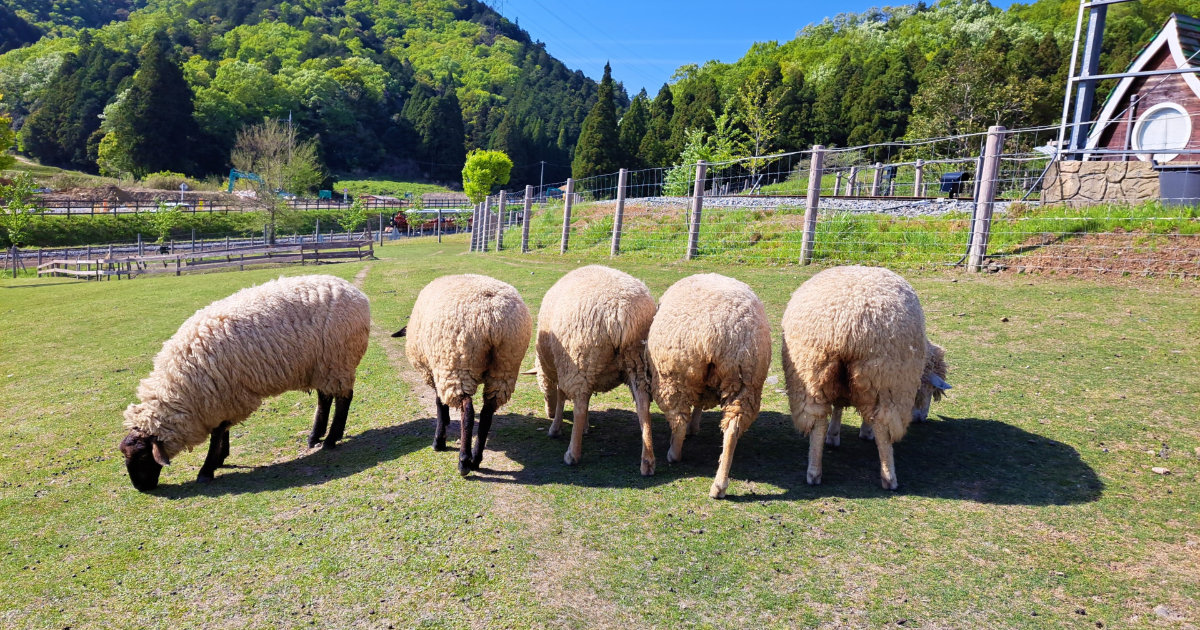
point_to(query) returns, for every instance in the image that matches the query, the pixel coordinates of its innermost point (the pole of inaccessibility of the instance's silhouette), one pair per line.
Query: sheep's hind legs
(485, 425)
(467, 424)
(641, 400)
(439, 424)
(556, 422)
(218, 449)
(816, 446)
(338, 428)
(679, 429)
(579, 422)
(694, 425)
(721, 482)
(320, 419)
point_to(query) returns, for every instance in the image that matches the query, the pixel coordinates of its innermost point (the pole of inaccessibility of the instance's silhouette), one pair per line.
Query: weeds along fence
(196, 204)
(997, 200)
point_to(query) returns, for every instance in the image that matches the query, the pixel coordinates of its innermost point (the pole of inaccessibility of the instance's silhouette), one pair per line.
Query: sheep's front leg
(834, 436)
(321, 419)
(694, 425)
(865, 432)
(224, 448)
(338, 428)
(641, 400)
(679, 427)
(440, 423)
(485, 425)
(816, 444)
(578, 428)
(212, 461)
(464, 443)
(556, 424)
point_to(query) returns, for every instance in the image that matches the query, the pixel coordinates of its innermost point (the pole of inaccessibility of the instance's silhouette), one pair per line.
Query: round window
(1164, 126)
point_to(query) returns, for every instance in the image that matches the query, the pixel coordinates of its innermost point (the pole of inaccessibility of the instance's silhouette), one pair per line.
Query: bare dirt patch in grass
(1110, 255)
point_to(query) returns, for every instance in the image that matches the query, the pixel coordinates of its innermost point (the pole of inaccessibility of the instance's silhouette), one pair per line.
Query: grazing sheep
(591, 337)
(467, 330)
(856, 336)
(710, 343)
(300, 333)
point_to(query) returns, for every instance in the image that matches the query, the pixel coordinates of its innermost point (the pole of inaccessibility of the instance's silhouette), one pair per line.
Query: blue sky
(647, 40)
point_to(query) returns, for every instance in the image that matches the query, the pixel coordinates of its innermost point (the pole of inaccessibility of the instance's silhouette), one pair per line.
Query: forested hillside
(390, 86)
(915, 71)
(406, 87)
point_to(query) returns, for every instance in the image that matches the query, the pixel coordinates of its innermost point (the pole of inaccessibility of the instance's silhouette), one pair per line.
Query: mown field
(1028, 500)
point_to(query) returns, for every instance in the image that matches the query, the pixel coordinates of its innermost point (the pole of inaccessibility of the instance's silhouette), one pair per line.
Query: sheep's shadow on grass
(356, 453)
(968, 459)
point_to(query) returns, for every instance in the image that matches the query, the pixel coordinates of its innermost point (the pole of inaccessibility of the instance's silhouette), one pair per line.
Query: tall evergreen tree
(697, 105)
(632, 129)
(443, 139)
(598, 149)
(654, 150)
(154, 126)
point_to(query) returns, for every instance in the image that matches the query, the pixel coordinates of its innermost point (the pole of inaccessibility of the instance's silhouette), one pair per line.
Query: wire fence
(1001, 200)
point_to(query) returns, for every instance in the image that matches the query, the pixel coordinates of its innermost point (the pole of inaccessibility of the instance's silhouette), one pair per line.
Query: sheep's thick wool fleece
(467, 330)
(855, 335)
(592, 329)
(710, 343)
(300, 333)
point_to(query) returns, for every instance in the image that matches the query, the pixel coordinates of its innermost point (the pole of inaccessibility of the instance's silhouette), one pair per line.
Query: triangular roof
(1181, 34)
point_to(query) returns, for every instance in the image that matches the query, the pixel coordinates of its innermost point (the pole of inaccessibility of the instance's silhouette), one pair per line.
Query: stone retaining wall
(1083, 183)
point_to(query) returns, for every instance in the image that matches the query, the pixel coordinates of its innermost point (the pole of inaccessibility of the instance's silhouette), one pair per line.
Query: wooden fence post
(525, 219)
(987, 195)
(381, 229)
(474, 226)
(485, 213)
(918, 179)
(619, 213)
(815, 171)
(851, 181)
(875, 179)
(501, 215)
(142, 246)
(837, 185)
(568, 200)
(697, 208)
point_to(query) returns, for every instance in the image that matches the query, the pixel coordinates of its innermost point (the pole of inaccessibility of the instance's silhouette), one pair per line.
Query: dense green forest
(407, 87)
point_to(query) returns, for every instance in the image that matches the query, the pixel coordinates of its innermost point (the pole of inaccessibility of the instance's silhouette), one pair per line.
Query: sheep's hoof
(647, 467)
(716, 491)
(570, 459)
(464, 467)
(889, 484)
(672, 456)
(204, 477)
(833, 440)
(476, 461)
(328, 445)
(313, 442)
(814, 477)
(554, 430)
(439, 446)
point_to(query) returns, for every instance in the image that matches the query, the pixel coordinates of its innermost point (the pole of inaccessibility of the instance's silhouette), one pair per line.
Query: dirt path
(559, 576)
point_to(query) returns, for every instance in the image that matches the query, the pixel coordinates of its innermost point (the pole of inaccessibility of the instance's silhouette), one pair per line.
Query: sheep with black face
(301, 333)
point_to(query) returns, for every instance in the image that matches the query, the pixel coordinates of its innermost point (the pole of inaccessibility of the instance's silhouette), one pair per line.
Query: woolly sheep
(710, 343)
(299, 333)
(591, 337)
(856, 336)
(466, 330)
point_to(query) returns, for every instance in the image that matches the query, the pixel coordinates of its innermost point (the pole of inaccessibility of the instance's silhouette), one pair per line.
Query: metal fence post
(381, 229)
(568, 201)
(474, 227)
(987, 195)
(810, 207)
(525, 218)
(918, 179)
(875, 179)
(851, 181)
(500, 220)
(697, 208)
(439, 225)
(619, 213)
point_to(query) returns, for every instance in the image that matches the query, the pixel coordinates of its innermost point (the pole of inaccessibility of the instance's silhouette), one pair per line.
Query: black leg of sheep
(485, 425)
(439, 424)
(338, 428)
(218, 449)
(464, 442)
(321, 419)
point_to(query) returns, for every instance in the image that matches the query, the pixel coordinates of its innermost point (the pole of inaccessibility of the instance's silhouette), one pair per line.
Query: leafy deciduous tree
(483, 170)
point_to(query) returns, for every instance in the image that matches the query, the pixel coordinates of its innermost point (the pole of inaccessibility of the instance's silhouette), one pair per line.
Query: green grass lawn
(382, 186)
(1027, 501)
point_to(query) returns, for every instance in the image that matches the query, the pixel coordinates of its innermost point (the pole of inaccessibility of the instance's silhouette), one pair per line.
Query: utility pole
(542, 179)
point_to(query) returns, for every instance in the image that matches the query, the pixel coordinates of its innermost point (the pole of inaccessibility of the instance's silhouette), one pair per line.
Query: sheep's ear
(156, 450)
(400, 333)
(938, 382)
